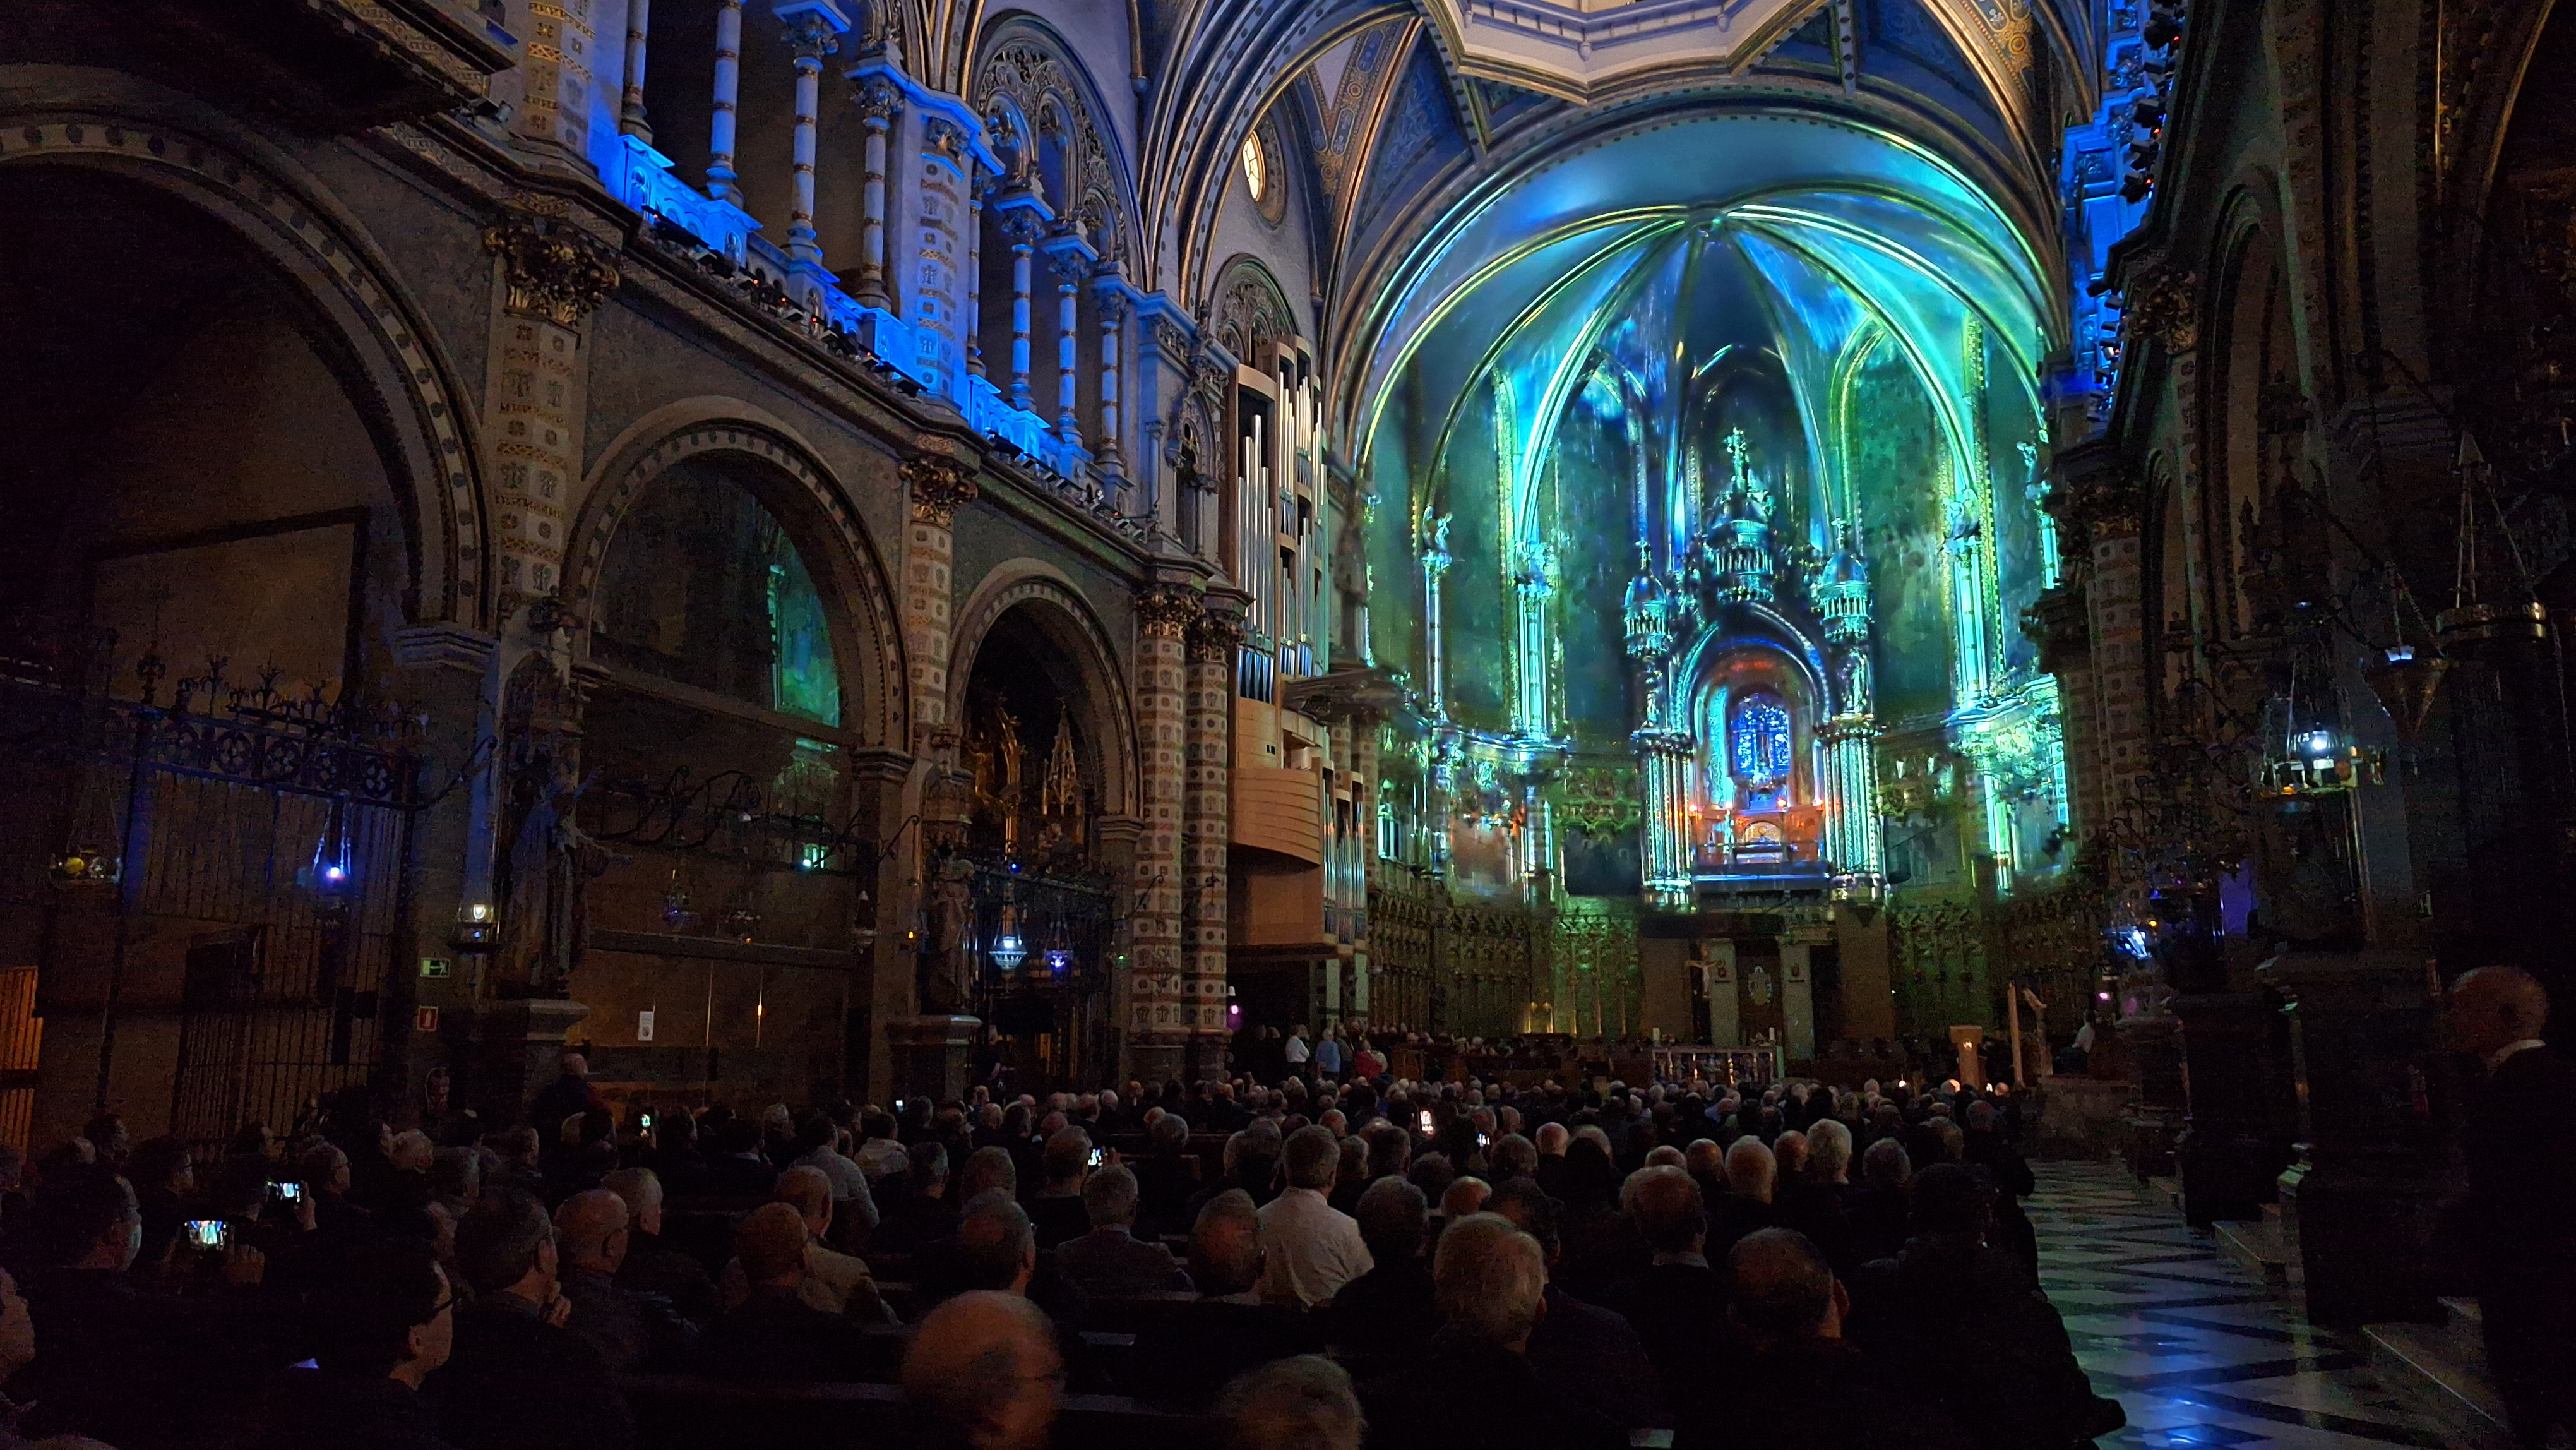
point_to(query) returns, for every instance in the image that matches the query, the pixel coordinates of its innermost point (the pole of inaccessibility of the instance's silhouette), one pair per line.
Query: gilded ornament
(552, 270)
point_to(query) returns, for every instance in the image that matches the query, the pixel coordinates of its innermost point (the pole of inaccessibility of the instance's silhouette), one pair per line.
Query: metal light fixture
(2406, 683)
(1008, 951)
(478, 927)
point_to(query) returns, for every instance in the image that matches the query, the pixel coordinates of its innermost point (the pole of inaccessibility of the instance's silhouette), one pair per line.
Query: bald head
(1552, 1139)
(985, 1365)
(590, 1231)
(1705, 1160)
(770, 1242)
(2494, 1007)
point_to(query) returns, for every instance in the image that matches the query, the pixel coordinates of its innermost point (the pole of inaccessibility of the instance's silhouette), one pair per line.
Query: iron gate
(250, 846)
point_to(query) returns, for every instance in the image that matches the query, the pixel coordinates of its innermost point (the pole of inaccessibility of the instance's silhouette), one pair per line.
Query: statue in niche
(1856, 682)
(545, 891)
(948, 947)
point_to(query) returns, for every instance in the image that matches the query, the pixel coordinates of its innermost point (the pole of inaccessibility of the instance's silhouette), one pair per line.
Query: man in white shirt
(1312, 1248)
(1296, 1050)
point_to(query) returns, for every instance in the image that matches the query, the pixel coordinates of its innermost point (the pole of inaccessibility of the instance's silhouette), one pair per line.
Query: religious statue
(1856, 684)
(948, 950)
(544, 893)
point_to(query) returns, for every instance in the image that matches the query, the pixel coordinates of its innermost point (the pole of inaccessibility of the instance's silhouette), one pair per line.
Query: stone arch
(792, 484)
(407, 393)
(1248, 310)
(1066, 618)
(1028, 75)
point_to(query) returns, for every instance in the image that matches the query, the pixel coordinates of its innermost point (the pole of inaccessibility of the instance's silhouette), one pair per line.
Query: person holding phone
(1057, 1212)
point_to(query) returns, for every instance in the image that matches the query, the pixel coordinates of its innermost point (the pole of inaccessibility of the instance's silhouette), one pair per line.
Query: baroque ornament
(1214, 638)
(938, 486)
(1166, 610)
(2164, 305)
(553, 270)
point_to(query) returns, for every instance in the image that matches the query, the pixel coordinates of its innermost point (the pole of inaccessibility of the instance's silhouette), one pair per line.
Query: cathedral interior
(1863, 538)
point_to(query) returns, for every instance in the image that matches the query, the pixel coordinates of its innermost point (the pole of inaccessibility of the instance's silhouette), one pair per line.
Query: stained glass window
(1759, 742)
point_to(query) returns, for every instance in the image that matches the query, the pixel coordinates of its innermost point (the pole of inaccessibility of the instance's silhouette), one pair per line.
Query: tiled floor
(2191, 1344)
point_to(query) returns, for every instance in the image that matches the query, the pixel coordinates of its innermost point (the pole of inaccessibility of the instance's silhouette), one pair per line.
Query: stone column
(1071, 259)
(814, 29)
(553, 109)
(550, 274)
(1362, 756)
(1157, 1038)
(1665, 839)
(937, 485)
(630, 108)
(924, 278)
(880, 103)
(1214, 638)
(1022, 232)
(1110, 297)
(720, 122)
(971, 320)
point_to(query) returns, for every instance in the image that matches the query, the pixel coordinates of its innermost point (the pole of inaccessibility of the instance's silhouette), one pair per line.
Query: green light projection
(1732, 407)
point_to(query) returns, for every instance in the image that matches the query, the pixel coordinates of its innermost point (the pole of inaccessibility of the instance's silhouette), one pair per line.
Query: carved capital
(1214, 638)
(938, 486)
(879, 99)
(2163, 303)
(1166, 611)
(945, 139)
(553, 270)
(811, 35)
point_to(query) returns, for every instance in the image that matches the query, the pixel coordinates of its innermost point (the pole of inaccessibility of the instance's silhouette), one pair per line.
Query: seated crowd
(1387, 1263)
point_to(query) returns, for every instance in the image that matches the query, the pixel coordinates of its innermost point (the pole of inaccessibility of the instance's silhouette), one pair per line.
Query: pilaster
(938, 486)
(1158, 1037)
(1213, 641)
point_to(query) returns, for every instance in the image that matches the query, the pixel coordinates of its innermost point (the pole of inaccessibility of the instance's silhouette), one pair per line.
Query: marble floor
(2189, 1342)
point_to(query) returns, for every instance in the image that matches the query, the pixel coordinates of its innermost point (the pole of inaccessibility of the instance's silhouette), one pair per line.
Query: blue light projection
(1666, 366)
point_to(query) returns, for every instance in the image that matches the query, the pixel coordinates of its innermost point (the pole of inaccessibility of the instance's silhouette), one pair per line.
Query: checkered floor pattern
(2189, 1342)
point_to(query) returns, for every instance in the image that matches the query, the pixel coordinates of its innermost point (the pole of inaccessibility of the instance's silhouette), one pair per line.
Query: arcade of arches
(833, 547)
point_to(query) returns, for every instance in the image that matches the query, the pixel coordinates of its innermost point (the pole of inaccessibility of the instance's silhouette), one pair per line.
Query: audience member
(1752, 1178)
(775, 1330)
(2514, 1223)
(1380, 1321)
(1057, 1211)
(834, 1282)
(1185, 1359)
(1313, 1250)
(984, 1372)
(1802, 1383)
(1474, 1388)
(1678, 1304)
(630, 1330)
(517, 1378)
(1110, 1261)
(1584, 1352)
(652, 1266)
(1304, 1403)
(383, 1323)
(2007, 1374)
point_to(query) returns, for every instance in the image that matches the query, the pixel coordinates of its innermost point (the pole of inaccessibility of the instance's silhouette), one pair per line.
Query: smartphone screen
(645, 1121)
(1426, 1120)
(1098, 1157)
(206, 1233)
(287, 1192)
